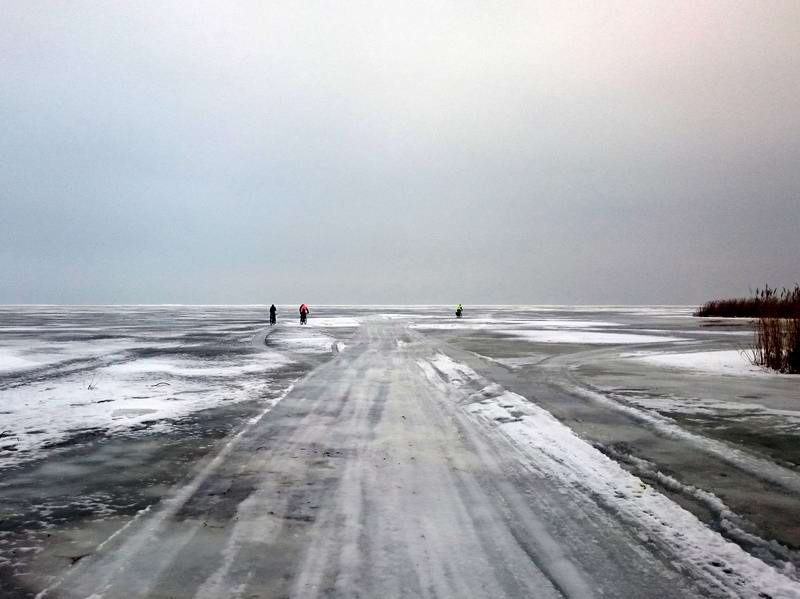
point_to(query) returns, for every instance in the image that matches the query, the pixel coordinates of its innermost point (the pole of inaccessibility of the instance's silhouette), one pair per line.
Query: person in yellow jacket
(459, 310)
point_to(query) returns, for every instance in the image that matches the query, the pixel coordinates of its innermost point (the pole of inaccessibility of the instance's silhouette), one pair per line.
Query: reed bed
(777, 314)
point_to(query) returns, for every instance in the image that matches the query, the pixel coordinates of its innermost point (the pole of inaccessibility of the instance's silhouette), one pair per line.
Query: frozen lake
(579, 440)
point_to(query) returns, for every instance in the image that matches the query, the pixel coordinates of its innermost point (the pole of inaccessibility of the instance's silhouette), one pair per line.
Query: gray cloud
(398, 152)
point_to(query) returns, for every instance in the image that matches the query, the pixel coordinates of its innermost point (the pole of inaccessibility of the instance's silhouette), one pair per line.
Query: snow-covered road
(394, 470)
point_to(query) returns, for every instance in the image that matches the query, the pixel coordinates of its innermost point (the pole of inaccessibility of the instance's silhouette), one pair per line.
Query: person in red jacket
(303, 313)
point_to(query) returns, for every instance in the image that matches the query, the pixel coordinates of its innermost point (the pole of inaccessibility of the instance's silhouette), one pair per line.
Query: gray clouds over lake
(398, 152)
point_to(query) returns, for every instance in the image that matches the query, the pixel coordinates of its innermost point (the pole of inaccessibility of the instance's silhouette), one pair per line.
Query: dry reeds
(777, 343)
(767, 302)
(793, 345)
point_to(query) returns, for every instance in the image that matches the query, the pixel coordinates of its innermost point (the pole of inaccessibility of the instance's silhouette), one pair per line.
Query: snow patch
(11, 361)
(732, 362)
(191, 368)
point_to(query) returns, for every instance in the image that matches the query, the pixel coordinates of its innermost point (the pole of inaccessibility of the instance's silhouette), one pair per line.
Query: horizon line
(344, 305)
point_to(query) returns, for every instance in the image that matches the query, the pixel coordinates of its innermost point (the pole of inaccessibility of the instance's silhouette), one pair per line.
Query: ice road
(406, 463)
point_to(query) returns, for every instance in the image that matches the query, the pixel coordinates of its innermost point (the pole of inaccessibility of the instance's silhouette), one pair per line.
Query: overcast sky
(398, 152)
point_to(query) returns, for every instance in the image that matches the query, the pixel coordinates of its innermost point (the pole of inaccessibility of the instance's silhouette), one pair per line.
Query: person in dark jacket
(303, 314)
(273, 314)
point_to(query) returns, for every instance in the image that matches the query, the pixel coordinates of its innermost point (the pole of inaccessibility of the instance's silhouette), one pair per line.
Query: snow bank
(308, 344)
(303, 339)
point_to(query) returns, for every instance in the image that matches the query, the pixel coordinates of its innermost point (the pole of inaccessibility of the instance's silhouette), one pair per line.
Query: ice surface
(589, 337)
(72, 372)
(501, 323)
(657, 311)
(754, 464)
(560, 455)
(553, 330)
(119, 397)
(334, 322)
